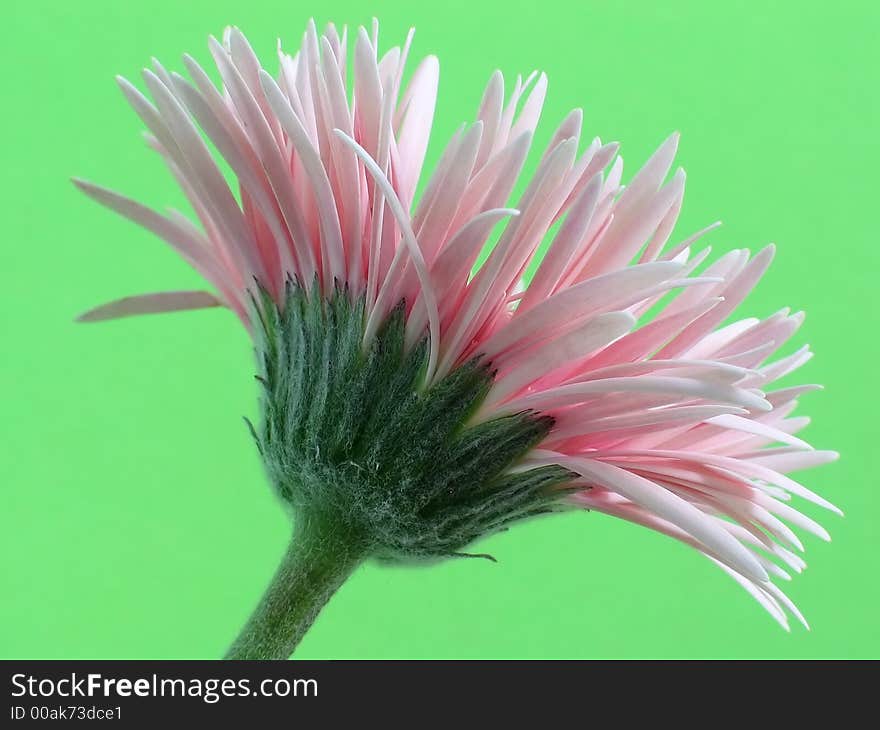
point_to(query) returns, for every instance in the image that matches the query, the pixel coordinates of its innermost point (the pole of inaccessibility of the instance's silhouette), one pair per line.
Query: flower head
(418, 400)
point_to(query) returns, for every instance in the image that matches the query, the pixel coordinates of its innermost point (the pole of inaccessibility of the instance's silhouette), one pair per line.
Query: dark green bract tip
(352, 436)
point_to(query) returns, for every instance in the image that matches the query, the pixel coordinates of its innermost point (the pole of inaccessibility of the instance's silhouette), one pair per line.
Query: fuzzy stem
(319, 559)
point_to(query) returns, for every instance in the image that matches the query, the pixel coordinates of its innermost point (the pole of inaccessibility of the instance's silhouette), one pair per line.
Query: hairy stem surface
(318, 561)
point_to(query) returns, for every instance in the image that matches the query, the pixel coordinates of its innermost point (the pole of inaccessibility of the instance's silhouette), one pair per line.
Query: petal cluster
(663, 413)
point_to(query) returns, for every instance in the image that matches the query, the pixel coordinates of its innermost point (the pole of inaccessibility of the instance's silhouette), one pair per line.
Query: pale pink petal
(418, 101)
(669, 507)
(172, 301)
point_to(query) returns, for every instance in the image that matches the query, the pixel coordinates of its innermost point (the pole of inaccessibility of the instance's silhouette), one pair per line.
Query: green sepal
(352, 433)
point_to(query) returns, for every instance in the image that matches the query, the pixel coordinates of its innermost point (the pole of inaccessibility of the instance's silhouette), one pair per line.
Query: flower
(410, 406)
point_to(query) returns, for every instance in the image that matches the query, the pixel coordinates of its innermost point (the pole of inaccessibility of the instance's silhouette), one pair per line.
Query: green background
(135, 520)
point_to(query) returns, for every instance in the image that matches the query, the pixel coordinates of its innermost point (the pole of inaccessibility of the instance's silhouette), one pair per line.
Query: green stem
(318, 561)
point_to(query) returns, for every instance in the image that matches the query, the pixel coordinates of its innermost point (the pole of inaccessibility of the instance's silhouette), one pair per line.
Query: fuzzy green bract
(351, 436)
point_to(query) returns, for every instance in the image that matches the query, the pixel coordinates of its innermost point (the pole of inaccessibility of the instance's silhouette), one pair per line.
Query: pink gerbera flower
(414, 401)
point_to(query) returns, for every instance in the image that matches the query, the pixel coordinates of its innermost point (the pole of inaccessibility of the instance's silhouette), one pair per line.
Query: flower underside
(355, 436)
